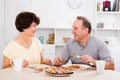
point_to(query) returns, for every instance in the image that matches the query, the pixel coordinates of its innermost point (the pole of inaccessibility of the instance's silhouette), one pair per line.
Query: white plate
(33, 66)
(82, 66)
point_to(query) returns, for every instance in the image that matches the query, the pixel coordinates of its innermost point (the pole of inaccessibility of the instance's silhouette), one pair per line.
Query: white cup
(17, 64)
(117, 63)
(100, 65)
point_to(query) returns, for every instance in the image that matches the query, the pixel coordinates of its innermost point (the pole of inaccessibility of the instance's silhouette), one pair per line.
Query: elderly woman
(25, 45)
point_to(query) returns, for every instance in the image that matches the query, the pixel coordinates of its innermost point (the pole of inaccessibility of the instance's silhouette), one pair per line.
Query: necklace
(27, 43)
(24, 43)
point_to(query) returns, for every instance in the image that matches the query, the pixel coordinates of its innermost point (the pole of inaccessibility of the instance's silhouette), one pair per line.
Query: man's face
(79, 31)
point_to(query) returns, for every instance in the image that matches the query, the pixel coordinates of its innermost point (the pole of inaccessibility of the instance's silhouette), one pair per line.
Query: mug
(100, 66)
(17, 64)
(117, 63)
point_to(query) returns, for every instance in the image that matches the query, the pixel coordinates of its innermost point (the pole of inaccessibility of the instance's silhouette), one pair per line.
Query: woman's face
(30, 31)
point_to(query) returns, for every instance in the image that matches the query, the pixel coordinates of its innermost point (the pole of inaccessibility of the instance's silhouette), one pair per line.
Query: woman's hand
(25, 63)
(48, 62)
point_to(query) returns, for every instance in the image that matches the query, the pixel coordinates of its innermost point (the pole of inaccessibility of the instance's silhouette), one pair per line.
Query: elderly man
(84, 48)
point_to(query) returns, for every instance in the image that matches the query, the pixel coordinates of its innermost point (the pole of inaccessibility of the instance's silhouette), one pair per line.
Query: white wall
(12, 8)
(1, 29)
(46, 10)
(66, 15)
(57, 13)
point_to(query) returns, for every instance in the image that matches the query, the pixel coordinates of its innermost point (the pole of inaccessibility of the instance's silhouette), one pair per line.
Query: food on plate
(51, 69)
(38, 70)
(75, 66)
(58, 70)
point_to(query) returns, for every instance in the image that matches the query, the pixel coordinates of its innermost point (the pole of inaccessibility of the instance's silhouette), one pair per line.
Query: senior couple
(26, 46)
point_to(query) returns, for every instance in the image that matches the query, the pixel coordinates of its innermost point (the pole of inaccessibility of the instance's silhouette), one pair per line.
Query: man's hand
(88, 59)
(58, 61)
